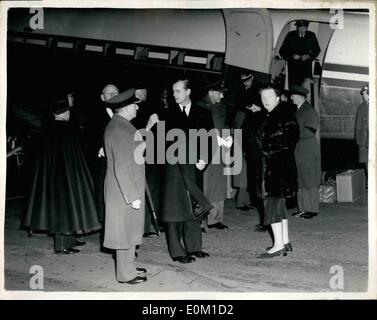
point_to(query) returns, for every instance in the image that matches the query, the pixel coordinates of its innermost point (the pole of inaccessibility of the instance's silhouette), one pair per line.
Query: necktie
(184, 111)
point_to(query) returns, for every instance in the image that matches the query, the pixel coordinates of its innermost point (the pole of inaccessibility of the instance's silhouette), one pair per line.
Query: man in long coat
(215, 181)
(299, 49)
(183, 180)
(362, 127)
(307, 155)
(124, 188)
(249, 103)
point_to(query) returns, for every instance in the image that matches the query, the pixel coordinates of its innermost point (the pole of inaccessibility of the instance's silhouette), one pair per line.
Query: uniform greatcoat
(124, 183)
(293, 44)
(362, 131)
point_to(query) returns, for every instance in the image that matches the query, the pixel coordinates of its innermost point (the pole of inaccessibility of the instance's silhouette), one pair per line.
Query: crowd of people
(131, 199)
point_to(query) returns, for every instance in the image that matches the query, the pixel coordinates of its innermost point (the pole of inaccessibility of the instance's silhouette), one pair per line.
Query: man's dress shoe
(267, 255)
(218, 225)
(67, 251)
(80, 243)
(141, 271)
(184, 259)
(135, 280)
(199, 254)
(287, 246)
(308, 215)
(297, 214)
(149, 235)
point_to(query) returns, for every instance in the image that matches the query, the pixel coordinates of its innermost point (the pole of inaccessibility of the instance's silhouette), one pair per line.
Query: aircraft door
(279, 70)
(249, 39)
(323, 33)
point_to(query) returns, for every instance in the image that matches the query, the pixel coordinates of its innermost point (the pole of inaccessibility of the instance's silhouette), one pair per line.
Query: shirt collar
(298, 107)
(188, 107)
(110, 112)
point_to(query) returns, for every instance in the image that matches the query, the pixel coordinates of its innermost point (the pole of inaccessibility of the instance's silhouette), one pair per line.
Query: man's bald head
(109, 91)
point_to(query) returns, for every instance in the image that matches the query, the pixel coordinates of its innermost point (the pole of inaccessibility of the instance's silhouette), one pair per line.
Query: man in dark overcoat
(183, 179)
(215, 181)
(362, 127)
(124, 188)
(248, 104)
(307, 155)
(299, 49)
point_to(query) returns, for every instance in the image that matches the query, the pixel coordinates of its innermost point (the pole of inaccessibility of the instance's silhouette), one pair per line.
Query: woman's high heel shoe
(266, 255)
(287, 246)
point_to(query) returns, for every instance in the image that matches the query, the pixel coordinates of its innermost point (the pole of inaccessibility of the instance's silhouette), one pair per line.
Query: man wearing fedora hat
(214, 180)
(307, 155)
(362, 128)
(124, 188)
(299, 49)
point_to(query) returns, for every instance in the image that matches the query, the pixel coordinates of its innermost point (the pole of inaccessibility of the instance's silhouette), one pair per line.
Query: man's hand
(153, 119)
(296, 57)
(254, 108)
(136, 204)
(200, 165)
(101, 153)
(305, 57)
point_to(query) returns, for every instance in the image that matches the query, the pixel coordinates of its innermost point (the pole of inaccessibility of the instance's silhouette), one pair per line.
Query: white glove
(254, 108)
(136, 204)
(200, 165)
(101, 153)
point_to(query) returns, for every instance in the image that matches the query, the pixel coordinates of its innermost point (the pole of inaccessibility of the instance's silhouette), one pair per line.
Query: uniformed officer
(299, 49)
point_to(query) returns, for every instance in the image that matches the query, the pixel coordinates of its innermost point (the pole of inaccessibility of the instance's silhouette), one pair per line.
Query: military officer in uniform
(124, 188)
(299, 49)
(362, 128)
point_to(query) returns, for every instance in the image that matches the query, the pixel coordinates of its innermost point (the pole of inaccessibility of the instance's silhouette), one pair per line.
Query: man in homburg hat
(307, 155)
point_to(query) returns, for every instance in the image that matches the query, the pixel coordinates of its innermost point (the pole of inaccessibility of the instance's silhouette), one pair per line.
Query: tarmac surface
(336, 238)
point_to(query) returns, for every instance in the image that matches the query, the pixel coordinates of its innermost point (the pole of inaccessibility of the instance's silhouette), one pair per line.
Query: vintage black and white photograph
(188, 150)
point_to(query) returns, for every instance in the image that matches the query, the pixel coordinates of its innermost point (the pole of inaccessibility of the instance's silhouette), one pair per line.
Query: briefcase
(350, 185)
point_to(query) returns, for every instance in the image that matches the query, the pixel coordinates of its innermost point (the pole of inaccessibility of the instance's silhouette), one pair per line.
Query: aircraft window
(158, 55)
(62, 44)
(36, 41)
(126, 52)
(90, 47)
(195, 59)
